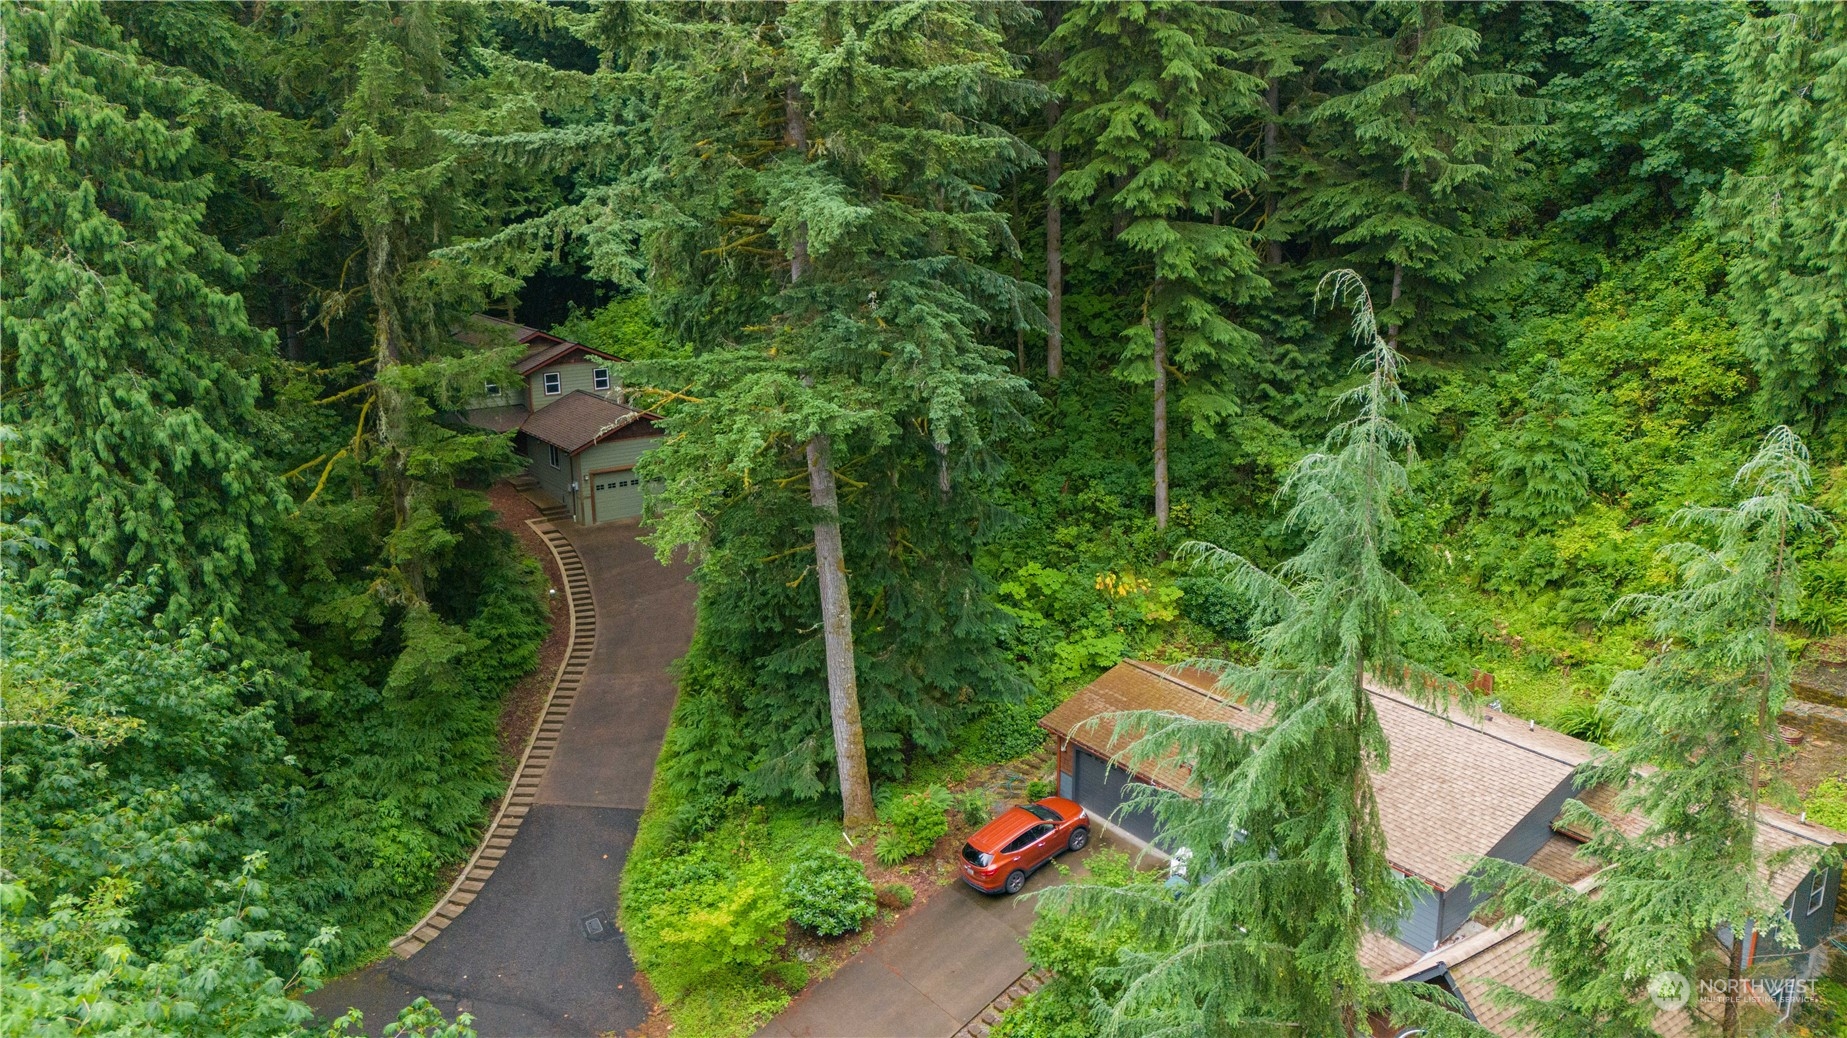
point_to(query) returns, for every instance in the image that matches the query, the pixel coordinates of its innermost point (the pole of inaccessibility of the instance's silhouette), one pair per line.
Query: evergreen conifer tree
(824, 214)
(1789, 275)
(1150, 92)
(1417, 144)
(127, 357)
(1286, 836)
(1698, 748)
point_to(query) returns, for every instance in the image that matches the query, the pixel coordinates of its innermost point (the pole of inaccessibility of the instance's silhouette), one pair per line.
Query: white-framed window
(1818, 894)
(554, 383)
(493, 389)
(601, 378)
(553, 452)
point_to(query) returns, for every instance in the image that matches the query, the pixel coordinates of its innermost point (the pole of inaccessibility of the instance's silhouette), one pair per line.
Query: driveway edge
(537, 755)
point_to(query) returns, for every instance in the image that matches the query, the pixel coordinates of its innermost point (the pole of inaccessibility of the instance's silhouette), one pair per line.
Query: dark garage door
(1100, 790)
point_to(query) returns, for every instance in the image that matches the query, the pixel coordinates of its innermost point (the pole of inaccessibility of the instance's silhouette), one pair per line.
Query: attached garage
(584, 449)
(1101, 788)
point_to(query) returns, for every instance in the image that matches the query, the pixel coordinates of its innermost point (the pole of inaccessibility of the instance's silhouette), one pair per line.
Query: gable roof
(1453, 790)
(580, 419)
(542, 348)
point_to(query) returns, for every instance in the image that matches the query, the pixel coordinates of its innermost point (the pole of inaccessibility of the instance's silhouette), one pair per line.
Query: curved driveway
(519, 957)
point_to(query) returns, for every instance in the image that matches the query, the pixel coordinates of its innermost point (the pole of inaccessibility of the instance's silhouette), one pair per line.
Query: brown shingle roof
(496, 419)
(1452, 791)
(1133, 685)
(542, 348)
(582, 418)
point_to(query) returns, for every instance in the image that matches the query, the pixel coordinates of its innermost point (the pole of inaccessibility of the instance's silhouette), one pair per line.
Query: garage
(1101, 789)
(617, 495)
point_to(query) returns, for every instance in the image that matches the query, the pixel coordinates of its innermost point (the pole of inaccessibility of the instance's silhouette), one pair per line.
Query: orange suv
(999, 857)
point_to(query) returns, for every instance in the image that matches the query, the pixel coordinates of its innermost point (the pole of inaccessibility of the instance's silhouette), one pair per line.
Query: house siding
(573, 376)
(1811, 927)
(556, 482)
(618, 453)
(1418, 928)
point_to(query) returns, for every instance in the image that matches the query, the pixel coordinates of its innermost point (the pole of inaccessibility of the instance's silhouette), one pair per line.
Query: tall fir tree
(824, 215)
(1417, 145)
(1696, 759)
(128, 358)
(1288, 840)
(1784, 213)
(1149, 92)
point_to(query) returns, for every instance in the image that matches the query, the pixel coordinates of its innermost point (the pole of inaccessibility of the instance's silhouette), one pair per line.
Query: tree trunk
(1054, 256)
(830, 560)
(1391, 330)
(1272, 247)
(1734, 972)
(837, 630)
(1160, 424)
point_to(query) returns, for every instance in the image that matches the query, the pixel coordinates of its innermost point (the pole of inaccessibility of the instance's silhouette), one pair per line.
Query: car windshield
(1045, 813)
(973, 856)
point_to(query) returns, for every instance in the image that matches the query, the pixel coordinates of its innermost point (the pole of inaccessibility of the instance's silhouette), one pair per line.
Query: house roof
(581, 418)
(542, 348)
(1777, 832)
(1503, 955)
(496, 419)
(1453, 790)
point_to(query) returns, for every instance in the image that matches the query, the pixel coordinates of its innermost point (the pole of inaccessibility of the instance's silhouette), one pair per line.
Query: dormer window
(493, 389)
(554, 383)
(601, 377)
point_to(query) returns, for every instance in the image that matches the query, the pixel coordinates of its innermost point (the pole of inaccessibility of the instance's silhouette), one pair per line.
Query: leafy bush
(973, 807)
(792, 974)
(896, 896)
(1581, 719)
(1005, 731)
(916, 822)
(829, 894)
(1039, 789)
(693, 919)
(1826, 804)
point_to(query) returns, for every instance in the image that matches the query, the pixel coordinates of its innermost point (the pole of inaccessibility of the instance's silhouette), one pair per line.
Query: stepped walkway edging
(538, 753)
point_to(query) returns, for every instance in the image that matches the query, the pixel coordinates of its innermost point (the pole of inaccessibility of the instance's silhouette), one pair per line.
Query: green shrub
(891, 850)
(1581, 719)
(1004, 732)
(1039, 789)
(973, 807)
(791, 974)
(1826, 804)
(696, 921)
(917, 821)
(829, 894)
(897, 896)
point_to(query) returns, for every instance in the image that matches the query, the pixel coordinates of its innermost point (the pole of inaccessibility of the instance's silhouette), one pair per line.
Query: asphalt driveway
(934, 972)
(536, 953)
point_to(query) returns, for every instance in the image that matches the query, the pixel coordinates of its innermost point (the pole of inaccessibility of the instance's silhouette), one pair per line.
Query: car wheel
(1015, 880)
(1079, 838)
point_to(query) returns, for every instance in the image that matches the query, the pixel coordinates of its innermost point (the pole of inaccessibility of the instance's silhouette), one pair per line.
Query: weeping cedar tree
(1150, 92)
(126, 353)
(1286, 832)
(1415, 146)
(1699, 749)
(1785, 212)
(820, 239)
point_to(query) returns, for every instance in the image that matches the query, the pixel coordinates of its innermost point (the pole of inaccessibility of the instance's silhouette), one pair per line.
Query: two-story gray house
(570, 419)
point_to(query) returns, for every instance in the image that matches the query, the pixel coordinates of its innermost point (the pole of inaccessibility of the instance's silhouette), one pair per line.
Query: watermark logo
(1670, 990)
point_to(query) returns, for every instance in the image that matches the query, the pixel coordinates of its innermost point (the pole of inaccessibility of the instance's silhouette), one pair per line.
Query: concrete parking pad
(930, 975)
